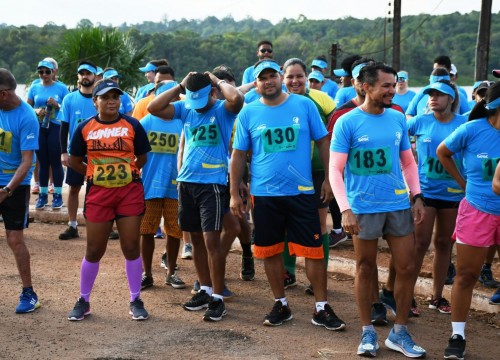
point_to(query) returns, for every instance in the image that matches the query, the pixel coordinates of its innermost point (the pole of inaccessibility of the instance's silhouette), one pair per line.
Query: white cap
(453, 70)
(51, 60)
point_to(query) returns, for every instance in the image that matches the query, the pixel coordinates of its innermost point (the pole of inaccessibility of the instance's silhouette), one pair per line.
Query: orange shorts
(155, 210)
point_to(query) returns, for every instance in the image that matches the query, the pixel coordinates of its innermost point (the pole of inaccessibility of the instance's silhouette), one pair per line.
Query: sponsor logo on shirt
(30, 136)
(107, 133)
(427, 140)
(261, 127)
(363, 138)
(212, 119)
(295, 120)
(398, 138)
(482, 156)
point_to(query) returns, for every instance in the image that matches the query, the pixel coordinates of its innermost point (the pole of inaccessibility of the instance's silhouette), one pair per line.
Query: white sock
(283, 301)
(458, 328)
(368, 327)
(73, 223)
(337, 231)
(207, 289)
(320, 305)
(218, 297)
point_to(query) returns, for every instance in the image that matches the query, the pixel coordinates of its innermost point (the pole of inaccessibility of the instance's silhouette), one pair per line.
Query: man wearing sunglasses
(18, 141)
(264, 51)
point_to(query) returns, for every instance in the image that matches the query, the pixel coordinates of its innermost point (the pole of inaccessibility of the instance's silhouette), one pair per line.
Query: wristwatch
(419, 196)
(218, 84)
(7, 190)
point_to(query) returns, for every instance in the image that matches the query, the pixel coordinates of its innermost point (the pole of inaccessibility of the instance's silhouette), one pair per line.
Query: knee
(442, 244)
(366, 267)
(466, 277)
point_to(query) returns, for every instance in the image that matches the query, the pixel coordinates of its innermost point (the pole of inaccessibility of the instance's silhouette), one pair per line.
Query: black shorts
(441, 204)
(15, 209)
(318, 178)
(74, 178)
(201, 206)
(294, 216)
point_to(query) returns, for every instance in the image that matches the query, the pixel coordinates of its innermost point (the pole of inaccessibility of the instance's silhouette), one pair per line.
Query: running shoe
(456, 348)
(450, 275)
(163, 262)
(81, 309)
(414, 311)
(336, 239)
(379, 314)
(309, 289)
(215, 311)
(137, 310)
(43, 199)
(113, 235)
(403, 343)
(28, 301)
(187, 251)
(369, 345)
(69, 233)
(328, 319)
(387, 298)
(159, 234)
(175, 281)
(57, 201)
(442, 305)
(146, 282)
(247, 268)
(495, 299)
(35, 189)
(289, 280)
(196, 287)
(278, 315)
(199, 301)
(486, 277)
(226, 293)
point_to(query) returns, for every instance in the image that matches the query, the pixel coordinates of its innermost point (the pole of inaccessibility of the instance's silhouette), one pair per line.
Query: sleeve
(404, 144)
(341, 137)
(29, 131)
(31, 93)
(141, 141)
(78, 145)
(410, 171)
(241, 136)
(457, 140)
(412, 124)
(64, 111)
(318, 129)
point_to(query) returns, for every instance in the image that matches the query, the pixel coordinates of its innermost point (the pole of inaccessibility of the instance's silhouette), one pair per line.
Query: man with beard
(371, 143)
(76, 107)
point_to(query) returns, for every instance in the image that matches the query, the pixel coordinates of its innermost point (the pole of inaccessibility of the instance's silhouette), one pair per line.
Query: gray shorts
(394, 223)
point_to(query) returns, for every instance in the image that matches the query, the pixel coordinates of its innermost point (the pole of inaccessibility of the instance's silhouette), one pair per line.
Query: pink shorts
(476, 228)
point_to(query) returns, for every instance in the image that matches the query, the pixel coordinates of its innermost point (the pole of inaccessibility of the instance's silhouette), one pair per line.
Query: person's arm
(445, 158)
(234, 97)
(180, 152)
(140, 160)
(323, 145)
(410, 173)
(246, 87)
(496, 180)
(76, 163)
(238, 162)
(63, 137)
(20, 174)
(161, 105)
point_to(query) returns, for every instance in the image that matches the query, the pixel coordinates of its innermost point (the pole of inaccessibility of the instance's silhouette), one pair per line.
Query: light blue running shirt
(39, 94)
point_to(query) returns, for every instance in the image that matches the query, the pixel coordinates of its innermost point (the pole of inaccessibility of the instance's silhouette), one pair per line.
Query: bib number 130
(365, 162)
(279, 139)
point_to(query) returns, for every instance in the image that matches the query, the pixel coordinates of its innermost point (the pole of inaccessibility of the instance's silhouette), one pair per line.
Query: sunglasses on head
(46, 72)
(270, 51)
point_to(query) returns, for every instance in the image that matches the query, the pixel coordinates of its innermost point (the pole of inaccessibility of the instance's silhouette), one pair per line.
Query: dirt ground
(171, 332)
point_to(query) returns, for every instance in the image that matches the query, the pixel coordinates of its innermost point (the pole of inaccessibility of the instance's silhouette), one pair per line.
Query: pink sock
(88, 273)
(134, 276)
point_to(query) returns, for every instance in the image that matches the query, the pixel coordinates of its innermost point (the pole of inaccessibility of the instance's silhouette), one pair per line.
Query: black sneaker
(146, 282)
(247, 268)
(81, 309)
(113, 235)
(290, 280)
(450, 275)
(163, 262)
(309, 289)
(175, 281)
(456, 348)
(69, 233)
(328, 319)
(379, 314)
(137, 310)
(278, 315)
(216, 310)
(198, 301)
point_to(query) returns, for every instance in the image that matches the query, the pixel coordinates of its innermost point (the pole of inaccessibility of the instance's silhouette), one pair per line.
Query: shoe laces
(138, 304)
(26, 294)
(405, 338)
(277, 308)
(369, 337)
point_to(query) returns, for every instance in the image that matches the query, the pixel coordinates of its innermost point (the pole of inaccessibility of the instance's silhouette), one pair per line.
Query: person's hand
(52, 102)
(214, 79)
(40, 112)
(350, 222)
(418, 211)
(238, 208)
(184, 81)
(65, 159)
(326, 192)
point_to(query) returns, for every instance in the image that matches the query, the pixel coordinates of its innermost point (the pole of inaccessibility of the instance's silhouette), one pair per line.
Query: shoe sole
(398, 348)
(379, 322)
(144, 287)
(340, 327)
(268, 323)
(211, 318)
(176, 286)
(37, 306)
(247, 278)
(139, 318)
(338, 242)
(368, 353)
(187, 257)
(455, 357)
(69, 238)
(195, 308)
(79, 319)
(494, 303)
(291, 285)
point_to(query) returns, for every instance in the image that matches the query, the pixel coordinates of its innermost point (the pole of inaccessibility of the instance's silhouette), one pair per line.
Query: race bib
(435, 170)
(366, 162)
(112, 175)
(5, 141)
(278, 139)
(488, 168)
(163, 143)
(206, 135)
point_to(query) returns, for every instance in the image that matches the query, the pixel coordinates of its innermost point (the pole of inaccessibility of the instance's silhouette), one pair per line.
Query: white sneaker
(187, 251)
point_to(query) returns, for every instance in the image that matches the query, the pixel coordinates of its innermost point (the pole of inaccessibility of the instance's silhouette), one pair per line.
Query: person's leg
(423, 236)
(173, 246)
(147, 252)
(273, 267)
(15, 240)
(54, 152)
(200, 259)
(149, 223)
(128, 228)
(216, 260)
(445, 226)
(230, 230)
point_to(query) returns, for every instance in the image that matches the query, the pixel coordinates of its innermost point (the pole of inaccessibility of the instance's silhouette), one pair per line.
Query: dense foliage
(202, 44)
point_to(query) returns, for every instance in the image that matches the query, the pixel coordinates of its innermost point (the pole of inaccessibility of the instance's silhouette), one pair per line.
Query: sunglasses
(270, 51)
(46, 72)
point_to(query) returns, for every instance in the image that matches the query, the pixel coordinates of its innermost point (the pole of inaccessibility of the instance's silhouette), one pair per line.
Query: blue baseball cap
(441, 87)
(87, 67)
(149, 67)
(316, 75)
(319, 63)
(164, 87)
(108, 74)
(357, 69)
(402, 75)
(434, 78)
(46, 64)
(197, 99)
(99, 71)
(265, 65)
(104, 87)
(341, 72)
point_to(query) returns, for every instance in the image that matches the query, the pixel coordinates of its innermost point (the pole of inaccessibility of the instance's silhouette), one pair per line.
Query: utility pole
(483, 41)
(333, 58)
(396, 35)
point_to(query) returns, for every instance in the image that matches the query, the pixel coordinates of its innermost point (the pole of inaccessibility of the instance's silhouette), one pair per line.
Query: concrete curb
(336, 264)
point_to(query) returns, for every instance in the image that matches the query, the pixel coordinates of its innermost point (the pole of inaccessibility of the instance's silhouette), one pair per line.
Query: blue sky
(112, 12)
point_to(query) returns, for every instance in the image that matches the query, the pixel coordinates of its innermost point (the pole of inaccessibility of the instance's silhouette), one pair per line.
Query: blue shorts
(74, 178)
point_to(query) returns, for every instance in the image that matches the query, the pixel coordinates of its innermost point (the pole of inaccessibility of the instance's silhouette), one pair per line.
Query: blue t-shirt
(76, 108)
(159, 174)
(143, 91)
(126, 104)
(344, 95)
(39, 94)
(480, 144)
(435, 182)
(280, 140)
(331, 88)
(205, 158)
(248, 76)
(403, 100)
(19, 129)
(373, 177)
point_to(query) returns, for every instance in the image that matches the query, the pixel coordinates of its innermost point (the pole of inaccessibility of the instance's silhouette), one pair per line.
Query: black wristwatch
(7, 190)
(419, 196)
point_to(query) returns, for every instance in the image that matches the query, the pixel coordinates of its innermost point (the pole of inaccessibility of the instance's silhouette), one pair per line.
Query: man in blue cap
(346, 92)
(330, 87)
(149, 72)
(202, 179)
